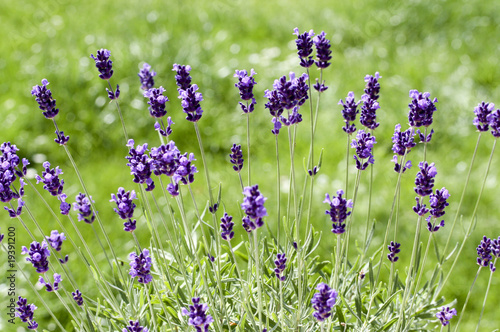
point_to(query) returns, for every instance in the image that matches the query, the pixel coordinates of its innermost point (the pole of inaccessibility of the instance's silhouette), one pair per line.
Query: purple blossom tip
(323, 302)
(140, 266)
(103, 64)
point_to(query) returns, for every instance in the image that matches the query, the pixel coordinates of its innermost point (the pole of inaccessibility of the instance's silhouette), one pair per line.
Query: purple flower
(253, 205)
(44, 99)
(56, 239)
(227, 227)
(160, 127)
(424, 180)
(191, 102)
(402, 144)
(280, 264)
(77, 296)
(338, 211)
(146, 76)
(248, 224)
(484, 252)
(50, 179)
(322, 50)
(397, 165)
(495, 247)
(48, 286)
(245, 86)
(482, 111)
(165, 159)
(65, 207)
(84, 207)
(9, 171)
(432, 226)
(420, 208)
(445, 315)
(370, 104)
(182, 78)
(438, 202)
(304, 44)
(103, 64)
(393, 251)
(323, 301)
(293, 118)
(112, 95)
(39, 255)
(140, 266)
(494, 122)
(61, 139)
(349, 111)
(363, 144)
(421, 109)
(156, 102)
(185, 170)
(124, 203)
(134, 327)
(25, 313)
(140, 164)
(236, 157)
(198, 317)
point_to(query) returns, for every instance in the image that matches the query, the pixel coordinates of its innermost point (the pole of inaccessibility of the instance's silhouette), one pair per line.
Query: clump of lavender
(182, 77)
(349, 111)
(191, 103)
(445, 315)
(363, 144)
(156, 101)
(226, 226)
(236, 157)
(245, 86)
(84, 207)
(146, 76)
(280, 264)
(77, 296)
(402, 144)
(393, 251)
(103, 64)
(198, 317)
(494, 122)
(424, 180)
(55, 239)
(140, 164)
(10, 170)
(370, 104)
(164, 131)
(51, 287)
(185, 169)
(323, 302)
(322, 51)
(125, 207)
(304, 44)
(25, 313)
(338, 211)
(482, 111)
(253, 205)
(54, 185)
(134, 327)
(438, 202)
(140, 266)
(38, 255)
(484, 253)
(421, 112)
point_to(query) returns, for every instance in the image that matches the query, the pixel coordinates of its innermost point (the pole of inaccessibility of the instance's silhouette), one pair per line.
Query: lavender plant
(259, 278)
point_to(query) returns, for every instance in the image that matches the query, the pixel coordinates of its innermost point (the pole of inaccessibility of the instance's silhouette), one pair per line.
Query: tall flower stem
(119, 112)
(347, 164)
(258, 275)
(467, 299)
(248, 146)
(485, 297)
(278, 190)
(345, 248)
(471, 224)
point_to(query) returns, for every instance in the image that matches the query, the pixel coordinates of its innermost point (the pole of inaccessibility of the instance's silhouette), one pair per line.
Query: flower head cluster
(322, 50)
(445, 315)
(44, 99)
(304, 44)
(482, 111)
(286, 94)
(55, 239)
(140, 164)
(253, 205)
(77, 296)
(338, 211)
(156, 101)
(402, 144)
(146, 76)
(438, 202)
(182, 77)
(363, 144)
(38, 255)
(125, 207)
(160, 127)
(323, 301)
(424, 180)
(494, 121)
(349, 111)
(25, 313)
(198, 317)
(134, 327)
(51, 287)
(103, 64)
(370, 104)
(140, 266)
(236, 157)
(10, 170)
(54, 185)
(84, 206)
(485, 251)
(393, 251)
(245, 86)
(280, 264)
(191, 103)
(226, 226)
(421, 109)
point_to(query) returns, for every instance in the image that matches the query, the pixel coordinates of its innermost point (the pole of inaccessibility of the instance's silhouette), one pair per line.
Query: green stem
(258, 275)
(248, 146)
(467, 299)
(486, 296)
(119, 113)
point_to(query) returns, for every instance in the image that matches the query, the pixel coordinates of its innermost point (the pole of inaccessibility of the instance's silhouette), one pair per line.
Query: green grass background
(448, 48)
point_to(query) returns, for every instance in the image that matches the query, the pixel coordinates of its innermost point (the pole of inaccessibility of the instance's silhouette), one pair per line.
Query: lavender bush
(256, 270)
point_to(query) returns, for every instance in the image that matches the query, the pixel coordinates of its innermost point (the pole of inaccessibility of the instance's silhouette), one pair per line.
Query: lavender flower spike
(146, 76)
(77, 296)
(44, 99)
(50, 179)
(182, 79)
(304, 44)
(38, 255)
(156, 102)
(25, 313)
(338, 211)
(191, 103)
(402, 144)
(236, 157)
(84, 207)
(48, 286)
(227, 227)
(349, 111)
(140, 164)
(494, 122)
(103, 64)
(56, 239)
(421, 109)
(323, 302)
(424, 180)
(140, 266)
(482, 111)
(393, 251)
(280, 263)
(198, 317)
(445, 315)
(484, 253)
(134, 327)
(245, 86)
(370, 104)
(322, 50)
(253, 205)
(363, 144)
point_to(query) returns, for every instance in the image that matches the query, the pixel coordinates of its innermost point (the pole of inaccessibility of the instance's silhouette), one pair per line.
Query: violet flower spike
(245, 86)
(445, 315)
(84, 207)
(146, 76)
(253, 205)
(38, 255)
(482, 111)
(484, 252)
(227, 227)
(77, 296)
(198, 317)
(363, 144)
(140, 164)
(323, 52)
(424, 180)
(338, 211)
(370, 104)
(182, 78)
(140, 266)
(236, 156)
(393, 251)
(156, 102)
(50, 179)
(323, 302)
(51, 287)
(103, 64)
(191, 103)
(280, 264)
(55, 239)
(134, 327)
(422, 109)
(349, 111)
(494, 122)
(44, 99)
(25, 313)
(304, 44)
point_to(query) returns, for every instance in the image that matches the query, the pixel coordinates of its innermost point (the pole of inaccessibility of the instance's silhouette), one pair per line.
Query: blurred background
(448, 48)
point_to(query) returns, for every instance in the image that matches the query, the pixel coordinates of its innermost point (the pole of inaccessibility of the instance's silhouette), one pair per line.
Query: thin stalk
(278, 190)
(257, 272)
(347, 164)
(467, 299)
(119, 113)
(345, 248)
(370, 186)
(486, 296)
(248, 146)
